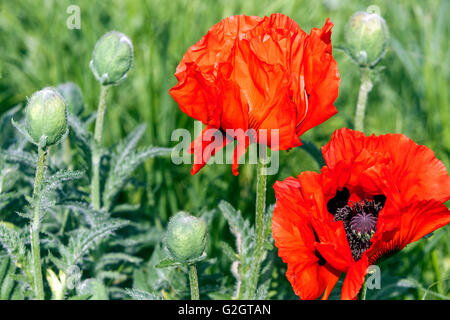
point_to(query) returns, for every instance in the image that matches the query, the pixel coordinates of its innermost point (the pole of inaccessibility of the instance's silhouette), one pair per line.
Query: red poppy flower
(257, 73)
(374, 196)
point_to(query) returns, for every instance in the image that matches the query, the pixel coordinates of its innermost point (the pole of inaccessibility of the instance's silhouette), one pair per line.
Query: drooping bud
(112, 58)
(186, 237)
(73, 96)
(46, 115)
(366, 37)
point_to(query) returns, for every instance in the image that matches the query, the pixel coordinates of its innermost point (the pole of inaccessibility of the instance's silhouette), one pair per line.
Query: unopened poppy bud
(46, 115)
(366, 37)
(73, 97)
(186, 237)
(112, 58)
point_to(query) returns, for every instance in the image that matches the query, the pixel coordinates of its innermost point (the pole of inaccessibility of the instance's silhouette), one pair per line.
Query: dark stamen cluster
(360, 219)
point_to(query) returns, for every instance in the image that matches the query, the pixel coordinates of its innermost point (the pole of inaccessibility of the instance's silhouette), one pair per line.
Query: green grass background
(411, 96)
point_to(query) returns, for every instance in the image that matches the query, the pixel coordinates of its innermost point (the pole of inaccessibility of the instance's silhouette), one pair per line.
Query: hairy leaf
(121, 172)
(20, 156)
(137, 294)
(12, 243)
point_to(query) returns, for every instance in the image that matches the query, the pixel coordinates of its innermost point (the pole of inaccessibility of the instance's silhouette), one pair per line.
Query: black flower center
(359, 218)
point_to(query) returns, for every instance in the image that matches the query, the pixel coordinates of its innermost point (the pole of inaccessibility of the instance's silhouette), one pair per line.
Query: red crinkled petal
(419, 175)
(415, 221)
(296, 238)
(354, 279)
(321, 78)
(312, 281)
(412, 171)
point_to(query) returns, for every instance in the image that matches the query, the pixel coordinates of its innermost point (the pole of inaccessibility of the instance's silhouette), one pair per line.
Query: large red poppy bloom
(257, 73)
(374, 196)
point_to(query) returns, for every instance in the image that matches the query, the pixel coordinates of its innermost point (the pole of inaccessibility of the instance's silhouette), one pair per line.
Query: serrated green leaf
(23, 131)
(58, 178)
(7, 282)
(137, 294)
(93, 217)
(127, 145)
(122, 171)
(9, 174)
(81, 297)
(20, 156)
(6, 198)
(7, 116)
(80, 131)
(84, 240)
(228, 251)
(93, 287)
(12, 243)
(263, 290)
(113, 258)
(219, 296)
(167, 262)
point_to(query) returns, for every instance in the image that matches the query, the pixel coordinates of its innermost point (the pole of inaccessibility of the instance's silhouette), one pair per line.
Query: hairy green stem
(363, 291)
(261, 183)
(193, 281)
(364, 89)
(36, 224)
(96, 153)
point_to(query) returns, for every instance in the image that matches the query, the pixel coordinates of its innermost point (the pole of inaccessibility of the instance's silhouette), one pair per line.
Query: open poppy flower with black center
(375, 195)
(253, 73)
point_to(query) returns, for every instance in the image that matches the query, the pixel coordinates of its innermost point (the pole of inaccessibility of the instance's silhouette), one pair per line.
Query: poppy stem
(96, 152)
(193, 281)
(363, 291)
(364, 89)
(36, 223)
(260, 231)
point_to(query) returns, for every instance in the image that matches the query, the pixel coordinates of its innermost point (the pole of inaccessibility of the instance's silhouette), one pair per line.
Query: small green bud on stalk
(366, 37)
(112, 58)
(46, 116)
(73, 97)
(186, 237)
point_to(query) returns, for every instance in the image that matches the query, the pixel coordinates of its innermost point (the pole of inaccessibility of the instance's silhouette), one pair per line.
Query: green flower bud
(112, 58)
(73, 96)
(46, 115)
(366, 36)
(186, 237)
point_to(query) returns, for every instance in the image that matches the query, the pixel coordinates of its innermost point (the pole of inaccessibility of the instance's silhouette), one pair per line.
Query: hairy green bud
(73, 96)
(186, 237)
(46, 116)
(366, 37)
(112, 58)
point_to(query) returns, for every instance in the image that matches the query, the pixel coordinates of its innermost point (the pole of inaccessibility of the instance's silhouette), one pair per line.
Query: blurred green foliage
(410, 96)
